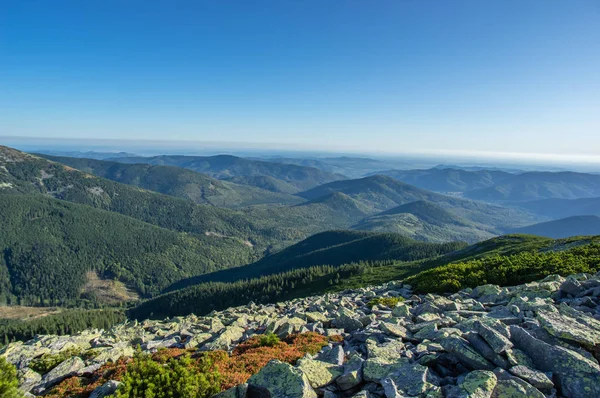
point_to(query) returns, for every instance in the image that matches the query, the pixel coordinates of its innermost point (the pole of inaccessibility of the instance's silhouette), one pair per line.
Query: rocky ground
(535, 340)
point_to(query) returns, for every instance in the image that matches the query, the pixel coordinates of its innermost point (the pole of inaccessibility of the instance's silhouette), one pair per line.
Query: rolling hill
(447, 179)
(226, 166)
(178, 182)
(381, 193)
(540, 185)
(425, 221)
(331, 248)
(564, 228)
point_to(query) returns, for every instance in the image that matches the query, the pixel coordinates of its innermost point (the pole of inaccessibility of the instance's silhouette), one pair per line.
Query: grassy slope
(565, 227)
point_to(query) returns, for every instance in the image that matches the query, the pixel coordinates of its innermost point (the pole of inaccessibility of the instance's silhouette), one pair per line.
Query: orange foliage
(245, 360)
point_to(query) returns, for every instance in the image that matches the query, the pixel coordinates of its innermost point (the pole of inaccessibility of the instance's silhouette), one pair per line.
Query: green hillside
(381, 193)
(178, 182)
(226, 166)
(49, 246)
(331, 248)
(512, 259)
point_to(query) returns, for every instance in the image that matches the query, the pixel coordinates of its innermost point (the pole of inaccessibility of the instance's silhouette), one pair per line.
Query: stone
(568, 328)
(65, 369)
(281, 379)
(534, 377)
(121, 349)
(394, 330)
(316, 317)
(105, 389)
(389, 351)
(479, 384)
(224, 340)
(465, 353)
(333, 355)
(352, 375)
(517, 357)
(577, 375)
(483, 348)
(401, 311)
(319, 373)
(197, 339)
(497, 341)
(572, 287)
(407, 379)
(347, 320)
(28, 379)
(514, 388)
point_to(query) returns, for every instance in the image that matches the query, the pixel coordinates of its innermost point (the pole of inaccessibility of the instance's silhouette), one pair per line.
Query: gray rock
(319, 373)
(577, 376)
(105, 389)
(572, 287)
(534, 377)
(483, 348)
(352, 375)
(465, 353)
(333, 355)
(28, 379)
(282, 380)
(394, 330)
(478, 384)
(407, 379)
(347, 320)
(68, 368)
(497, 341)
(515, 388)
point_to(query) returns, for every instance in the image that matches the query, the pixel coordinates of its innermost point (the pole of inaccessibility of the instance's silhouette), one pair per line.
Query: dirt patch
(5, 185)
(108, 291)
(26, 313)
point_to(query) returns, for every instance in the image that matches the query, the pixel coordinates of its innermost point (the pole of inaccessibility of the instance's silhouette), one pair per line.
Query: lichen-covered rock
(333, 355)
(283, 380)
(483, 348)
(515, 388)
(497, 341)
(577, 375)
(407, 379)
(479, 384)
(63, 370)
(121, 349)
(517, 357)
(401, 311)
(319, 373)
(224, 340)
(28, 378)
(105, 389)
(347, 320)
(568, 328)
(353, 373)
(394, 330)
(465, 353)
(534, 377)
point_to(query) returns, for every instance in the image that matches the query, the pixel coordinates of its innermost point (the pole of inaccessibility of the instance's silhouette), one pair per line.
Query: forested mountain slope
(424, 221)
(381, 193)
(179, 182)
(226, 166)
(332, 248)
(448, 179)
(48, 247)
(541, 185)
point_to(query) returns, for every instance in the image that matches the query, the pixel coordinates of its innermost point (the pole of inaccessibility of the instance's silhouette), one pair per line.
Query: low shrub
(8, 380)
(269, 340)
(390, 302)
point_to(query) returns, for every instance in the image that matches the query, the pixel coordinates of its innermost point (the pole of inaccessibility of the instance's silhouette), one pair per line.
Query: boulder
(577, 375)
(465, 353)
(352, 375)
(497, 341)
(224, 340)
(65, 369)
(282, 380)
(534, 377)
(319, 373)
(568, 328)
(479, 384)
(515, 388)
(394, 330)
(347, 320)
(105, 389)
(28, 379)
(401, 311)
(334, 355)
(407, 379)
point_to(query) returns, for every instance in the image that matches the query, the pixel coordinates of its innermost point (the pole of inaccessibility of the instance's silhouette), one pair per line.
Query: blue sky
(395, 76)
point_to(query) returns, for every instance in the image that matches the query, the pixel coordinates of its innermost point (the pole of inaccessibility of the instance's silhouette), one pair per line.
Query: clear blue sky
(508, 76)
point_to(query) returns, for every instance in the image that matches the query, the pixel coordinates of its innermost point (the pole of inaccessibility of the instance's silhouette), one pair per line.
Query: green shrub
(269, 340)
(507, 270)
(47, 362)
(178, 378)
(390, 302)
(8, 380)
